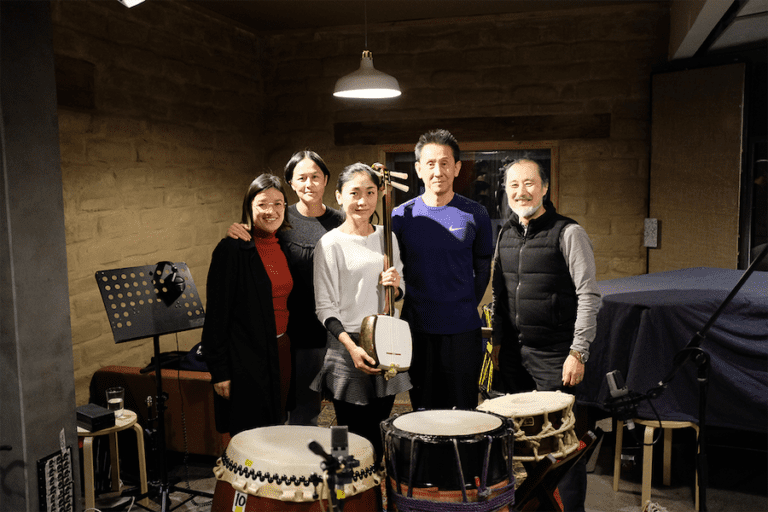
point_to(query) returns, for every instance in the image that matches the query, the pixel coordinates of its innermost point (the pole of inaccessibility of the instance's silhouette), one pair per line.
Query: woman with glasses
(244, 341)
(307, 175)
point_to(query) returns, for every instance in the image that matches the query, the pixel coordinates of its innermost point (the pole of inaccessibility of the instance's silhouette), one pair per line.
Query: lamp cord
(365, 17)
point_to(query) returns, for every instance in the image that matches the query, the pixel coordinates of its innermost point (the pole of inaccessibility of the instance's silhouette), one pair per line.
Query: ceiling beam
(691, 22)
(476, 129)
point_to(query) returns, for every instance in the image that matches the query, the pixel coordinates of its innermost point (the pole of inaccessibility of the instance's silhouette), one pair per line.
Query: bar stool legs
(650, 428)
(143, 488)
(88, 473)
(114, 451)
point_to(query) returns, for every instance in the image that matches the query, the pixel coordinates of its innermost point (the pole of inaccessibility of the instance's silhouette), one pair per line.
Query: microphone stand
(338, 465)
(331, 466)
(692, 351)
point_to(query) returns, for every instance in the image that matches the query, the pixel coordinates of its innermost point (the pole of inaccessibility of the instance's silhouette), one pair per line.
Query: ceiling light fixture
(367, 82)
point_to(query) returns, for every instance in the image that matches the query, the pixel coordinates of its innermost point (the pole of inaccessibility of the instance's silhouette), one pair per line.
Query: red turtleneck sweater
(277, 268)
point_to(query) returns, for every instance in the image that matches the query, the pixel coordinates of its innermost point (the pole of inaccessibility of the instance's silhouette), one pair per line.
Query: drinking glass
(115, 400)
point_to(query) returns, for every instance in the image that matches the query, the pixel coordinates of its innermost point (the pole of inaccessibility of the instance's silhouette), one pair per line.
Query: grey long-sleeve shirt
(579, 255)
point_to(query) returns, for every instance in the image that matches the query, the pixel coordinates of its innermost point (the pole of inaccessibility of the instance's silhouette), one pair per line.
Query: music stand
(147, 301)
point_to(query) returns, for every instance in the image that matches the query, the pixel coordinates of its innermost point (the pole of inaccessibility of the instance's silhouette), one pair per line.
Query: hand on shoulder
(238, 231)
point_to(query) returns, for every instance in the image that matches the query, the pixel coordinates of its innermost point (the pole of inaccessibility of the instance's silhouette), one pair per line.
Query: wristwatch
(581, 357)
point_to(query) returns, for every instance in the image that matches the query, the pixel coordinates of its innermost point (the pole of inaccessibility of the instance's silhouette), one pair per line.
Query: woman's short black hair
(298, 157)
(349, 172)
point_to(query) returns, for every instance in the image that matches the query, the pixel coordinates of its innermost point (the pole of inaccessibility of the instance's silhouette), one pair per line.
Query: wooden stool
(650, 428)
(126, 421)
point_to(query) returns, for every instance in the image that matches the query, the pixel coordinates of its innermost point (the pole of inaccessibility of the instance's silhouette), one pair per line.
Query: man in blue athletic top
(446, 245)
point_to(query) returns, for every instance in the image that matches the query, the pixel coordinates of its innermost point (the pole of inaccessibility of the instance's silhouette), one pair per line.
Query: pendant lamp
(367, 82)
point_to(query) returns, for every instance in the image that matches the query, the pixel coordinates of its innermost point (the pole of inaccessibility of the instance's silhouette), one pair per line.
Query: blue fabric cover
(645, 320)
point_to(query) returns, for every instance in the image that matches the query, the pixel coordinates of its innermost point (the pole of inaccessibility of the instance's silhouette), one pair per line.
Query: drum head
(276, 462)
(528, 404)
(447, 423)
(544, 421)
(448, 449)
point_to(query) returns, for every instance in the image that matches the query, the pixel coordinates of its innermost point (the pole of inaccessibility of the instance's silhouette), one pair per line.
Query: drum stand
(148, 301)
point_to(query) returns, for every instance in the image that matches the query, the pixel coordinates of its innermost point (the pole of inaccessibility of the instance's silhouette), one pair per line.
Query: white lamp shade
(367, 82)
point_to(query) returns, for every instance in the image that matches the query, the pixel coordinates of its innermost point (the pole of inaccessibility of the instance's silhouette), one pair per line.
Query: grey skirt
(340, 380)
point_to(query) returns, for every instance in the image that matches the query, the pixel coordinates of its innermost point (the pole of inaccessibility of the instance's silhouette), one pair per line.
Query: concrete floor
(738, 475)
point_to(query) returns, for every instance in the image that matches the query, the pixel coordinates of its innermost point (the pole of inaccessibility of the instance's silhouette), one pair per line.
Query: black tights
(365, 420)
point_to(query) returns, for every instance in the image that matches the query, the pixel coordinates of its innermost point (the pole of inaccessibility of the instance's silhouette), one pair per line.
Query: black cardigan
(239, 338)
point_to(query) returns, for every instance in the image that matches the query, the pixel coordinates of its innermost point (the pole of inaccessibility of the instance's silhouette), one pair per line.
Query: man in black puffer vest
(546, 299)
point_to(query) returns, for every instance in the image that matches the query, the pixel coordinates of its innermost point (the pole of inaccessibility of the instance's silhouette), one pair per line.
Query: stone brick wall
(581, 61)
(166, 114)
(157, 149)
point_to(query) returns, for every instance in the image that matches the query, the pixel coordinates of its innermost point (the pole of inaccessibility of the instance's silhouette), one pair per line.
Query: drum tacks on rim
(272, 469)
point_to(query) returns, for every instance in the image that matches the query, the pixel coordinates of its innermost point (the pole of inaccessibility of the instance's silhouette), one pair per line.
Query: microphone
(616, 384)
(339, 443)
(622, 404)
(339, 464)
(340, 452)
(329, 462)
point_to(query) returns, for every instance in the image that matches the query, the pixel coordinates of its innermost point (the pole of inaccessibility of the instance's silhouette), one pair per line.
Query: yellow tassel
(486, 372)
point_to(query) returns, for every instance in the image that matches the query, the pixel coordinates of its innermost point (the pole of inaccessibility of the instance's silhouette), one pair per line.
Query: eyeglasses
(265, 206)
